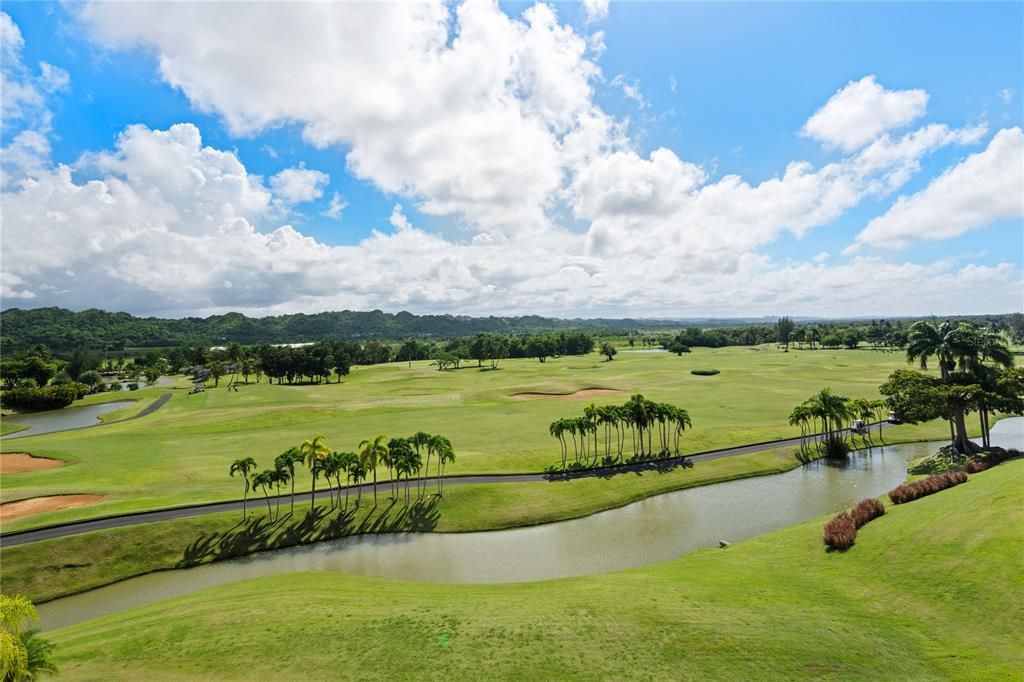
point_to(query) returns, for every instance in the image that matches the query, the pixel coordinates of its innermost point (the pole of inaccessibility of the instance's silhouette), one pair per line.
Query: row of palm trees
(403, 457)
(822, 418)
(640, 417)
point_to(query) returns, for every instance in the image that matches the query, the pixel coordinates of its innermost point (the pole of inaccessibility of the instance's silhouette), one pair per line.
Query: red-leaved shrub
(909, 492)
(840, 532)
(867, 510)
(973, 466)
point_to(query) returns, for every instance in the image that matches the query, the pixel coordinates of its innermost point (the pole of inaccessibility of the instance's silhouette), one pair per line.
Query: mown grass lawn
(181, 453)
(931, 590)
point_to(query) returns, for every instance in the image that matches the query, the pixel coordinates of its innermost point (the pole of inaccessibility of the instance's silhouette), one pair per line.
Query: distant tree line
(65, 330)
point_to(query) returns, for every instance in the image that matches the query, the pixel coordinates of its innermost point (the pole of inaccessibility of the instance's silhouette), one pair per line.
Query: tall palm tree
(445, 454)
(556, 429)
(331, 466)
(314, 450)
(420, 440)
(348, 462)
(265, 480)
(243, 466)
(370, 455)
(281, 477)
(286, 461)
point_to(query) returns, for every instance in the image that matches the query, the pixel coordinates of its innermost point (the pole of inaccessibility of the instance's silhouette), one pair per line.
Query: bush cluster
(52, 397)
(908, 492)
(867, 510)
(840, 531)
(990, 459)
(704, 372)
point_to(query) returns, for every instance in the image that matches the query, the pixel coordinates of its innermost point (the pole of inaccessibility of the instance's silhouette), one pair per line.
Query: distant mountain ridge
(62, 329)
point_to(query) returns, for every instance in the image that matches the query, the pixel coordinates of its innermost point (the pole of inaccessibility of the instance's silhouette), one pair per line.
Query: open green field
(929, 591)
(181, 453)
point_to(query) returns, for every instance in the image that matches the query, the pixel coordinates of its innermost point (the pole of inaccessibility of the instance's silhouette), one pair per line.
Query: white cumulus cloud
(983, 188)
(297, 185)
(861, 111)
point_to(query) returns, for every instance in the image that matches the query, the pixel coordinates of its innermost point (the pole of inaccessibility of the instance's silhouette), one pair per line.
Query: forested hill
(61, 329)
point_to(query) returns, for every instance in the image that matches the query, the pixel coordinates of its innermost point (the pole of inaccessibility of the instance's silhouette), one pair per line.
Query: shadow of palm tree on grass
(260, 533)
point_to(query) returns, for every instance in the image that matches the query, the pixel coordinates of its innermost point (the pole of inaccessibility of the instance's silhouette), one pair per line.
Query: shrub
(908, 492)
(976, 465)
(704, 372)
(45, 398)
(115, 386)
(840, 532)
(867, 510)
(133, 386)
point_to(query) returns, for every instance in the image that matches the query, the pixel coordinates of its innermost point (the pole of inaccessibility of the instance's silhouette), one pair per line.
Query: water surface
(652, 530)
(51, 421)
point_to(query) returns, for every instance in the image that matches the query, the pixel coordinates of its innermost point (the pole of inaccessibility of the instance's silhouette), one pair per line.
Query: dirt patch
(582, 393)
(37, 505)
(20, 462)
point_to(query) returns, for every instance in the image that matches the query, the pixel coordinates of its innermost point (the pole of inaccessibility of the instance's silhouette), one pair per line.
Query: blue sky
(725, 88)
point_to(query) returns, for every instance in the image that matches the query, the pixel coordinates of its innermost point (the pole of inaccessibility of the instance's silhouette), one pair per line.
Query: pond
(656, 529)
(51, 421)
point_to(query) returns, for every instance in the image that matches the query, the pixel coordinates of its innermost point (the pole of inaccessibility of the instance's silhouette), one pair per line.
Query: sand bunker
(19, 462)
(38, 505)
(582, 393)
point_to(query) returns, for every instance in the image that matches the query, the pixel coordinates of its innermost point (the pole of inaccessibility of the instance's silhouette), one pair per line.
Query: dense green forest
(64, 330)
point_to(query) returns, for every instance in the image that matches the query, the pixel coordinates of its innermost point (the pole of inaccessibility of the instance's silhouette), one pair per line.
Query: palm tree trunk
(374, 487)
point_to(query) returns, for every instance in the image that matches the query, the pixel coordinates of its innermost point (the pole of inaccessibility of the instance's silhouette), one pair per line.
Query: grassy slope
(928, 592)
(53, 568)
(181, 453)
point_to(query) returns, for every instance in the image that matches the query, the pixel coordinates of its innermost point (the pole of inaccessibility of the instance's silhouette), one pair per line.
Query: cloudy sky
(479, 158)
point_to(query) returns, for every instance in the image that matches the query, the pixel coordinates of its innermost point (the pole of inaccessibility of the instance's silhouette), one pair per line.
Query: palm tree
(314, 450)
(370, 455)
(832, 409)
(445, 454)
(421, 440)
(243, 466)
(556, 429)
(265, 480)
(23, 655)
(331, 467)
(349, 464)
(281, 477)
(681, 419)
(286, 461)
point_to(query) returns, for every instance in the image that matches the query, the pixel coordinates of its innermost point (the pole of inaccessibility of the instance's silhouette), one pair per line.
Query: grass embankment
(928, 592)
(181, 453)
(53, 568)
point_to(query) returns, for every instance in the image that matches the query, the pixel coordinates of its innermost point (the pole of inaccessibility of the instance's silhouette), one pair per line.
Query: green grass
(7, 427)
(928, 592)
(54, 568)
(181, 453)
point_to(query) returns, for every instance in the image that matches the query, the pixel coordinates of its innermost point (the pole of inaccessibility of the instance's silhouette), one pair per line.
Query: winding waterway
(655, 529)
(69, 418)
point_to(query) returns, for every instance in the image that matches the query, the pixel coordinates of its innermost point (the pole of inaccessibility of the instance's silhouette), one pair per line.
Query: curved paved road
(21, 537)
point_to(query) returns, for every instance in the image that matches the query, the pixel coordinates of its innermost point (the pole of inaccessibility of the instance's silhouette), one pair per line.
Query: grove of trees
(599, 436)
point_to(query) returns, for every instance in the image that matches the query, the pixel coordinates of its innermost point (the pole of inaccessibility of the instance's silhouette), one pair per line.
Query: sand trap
(38, 505)
(582, 393)
(19, 462)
